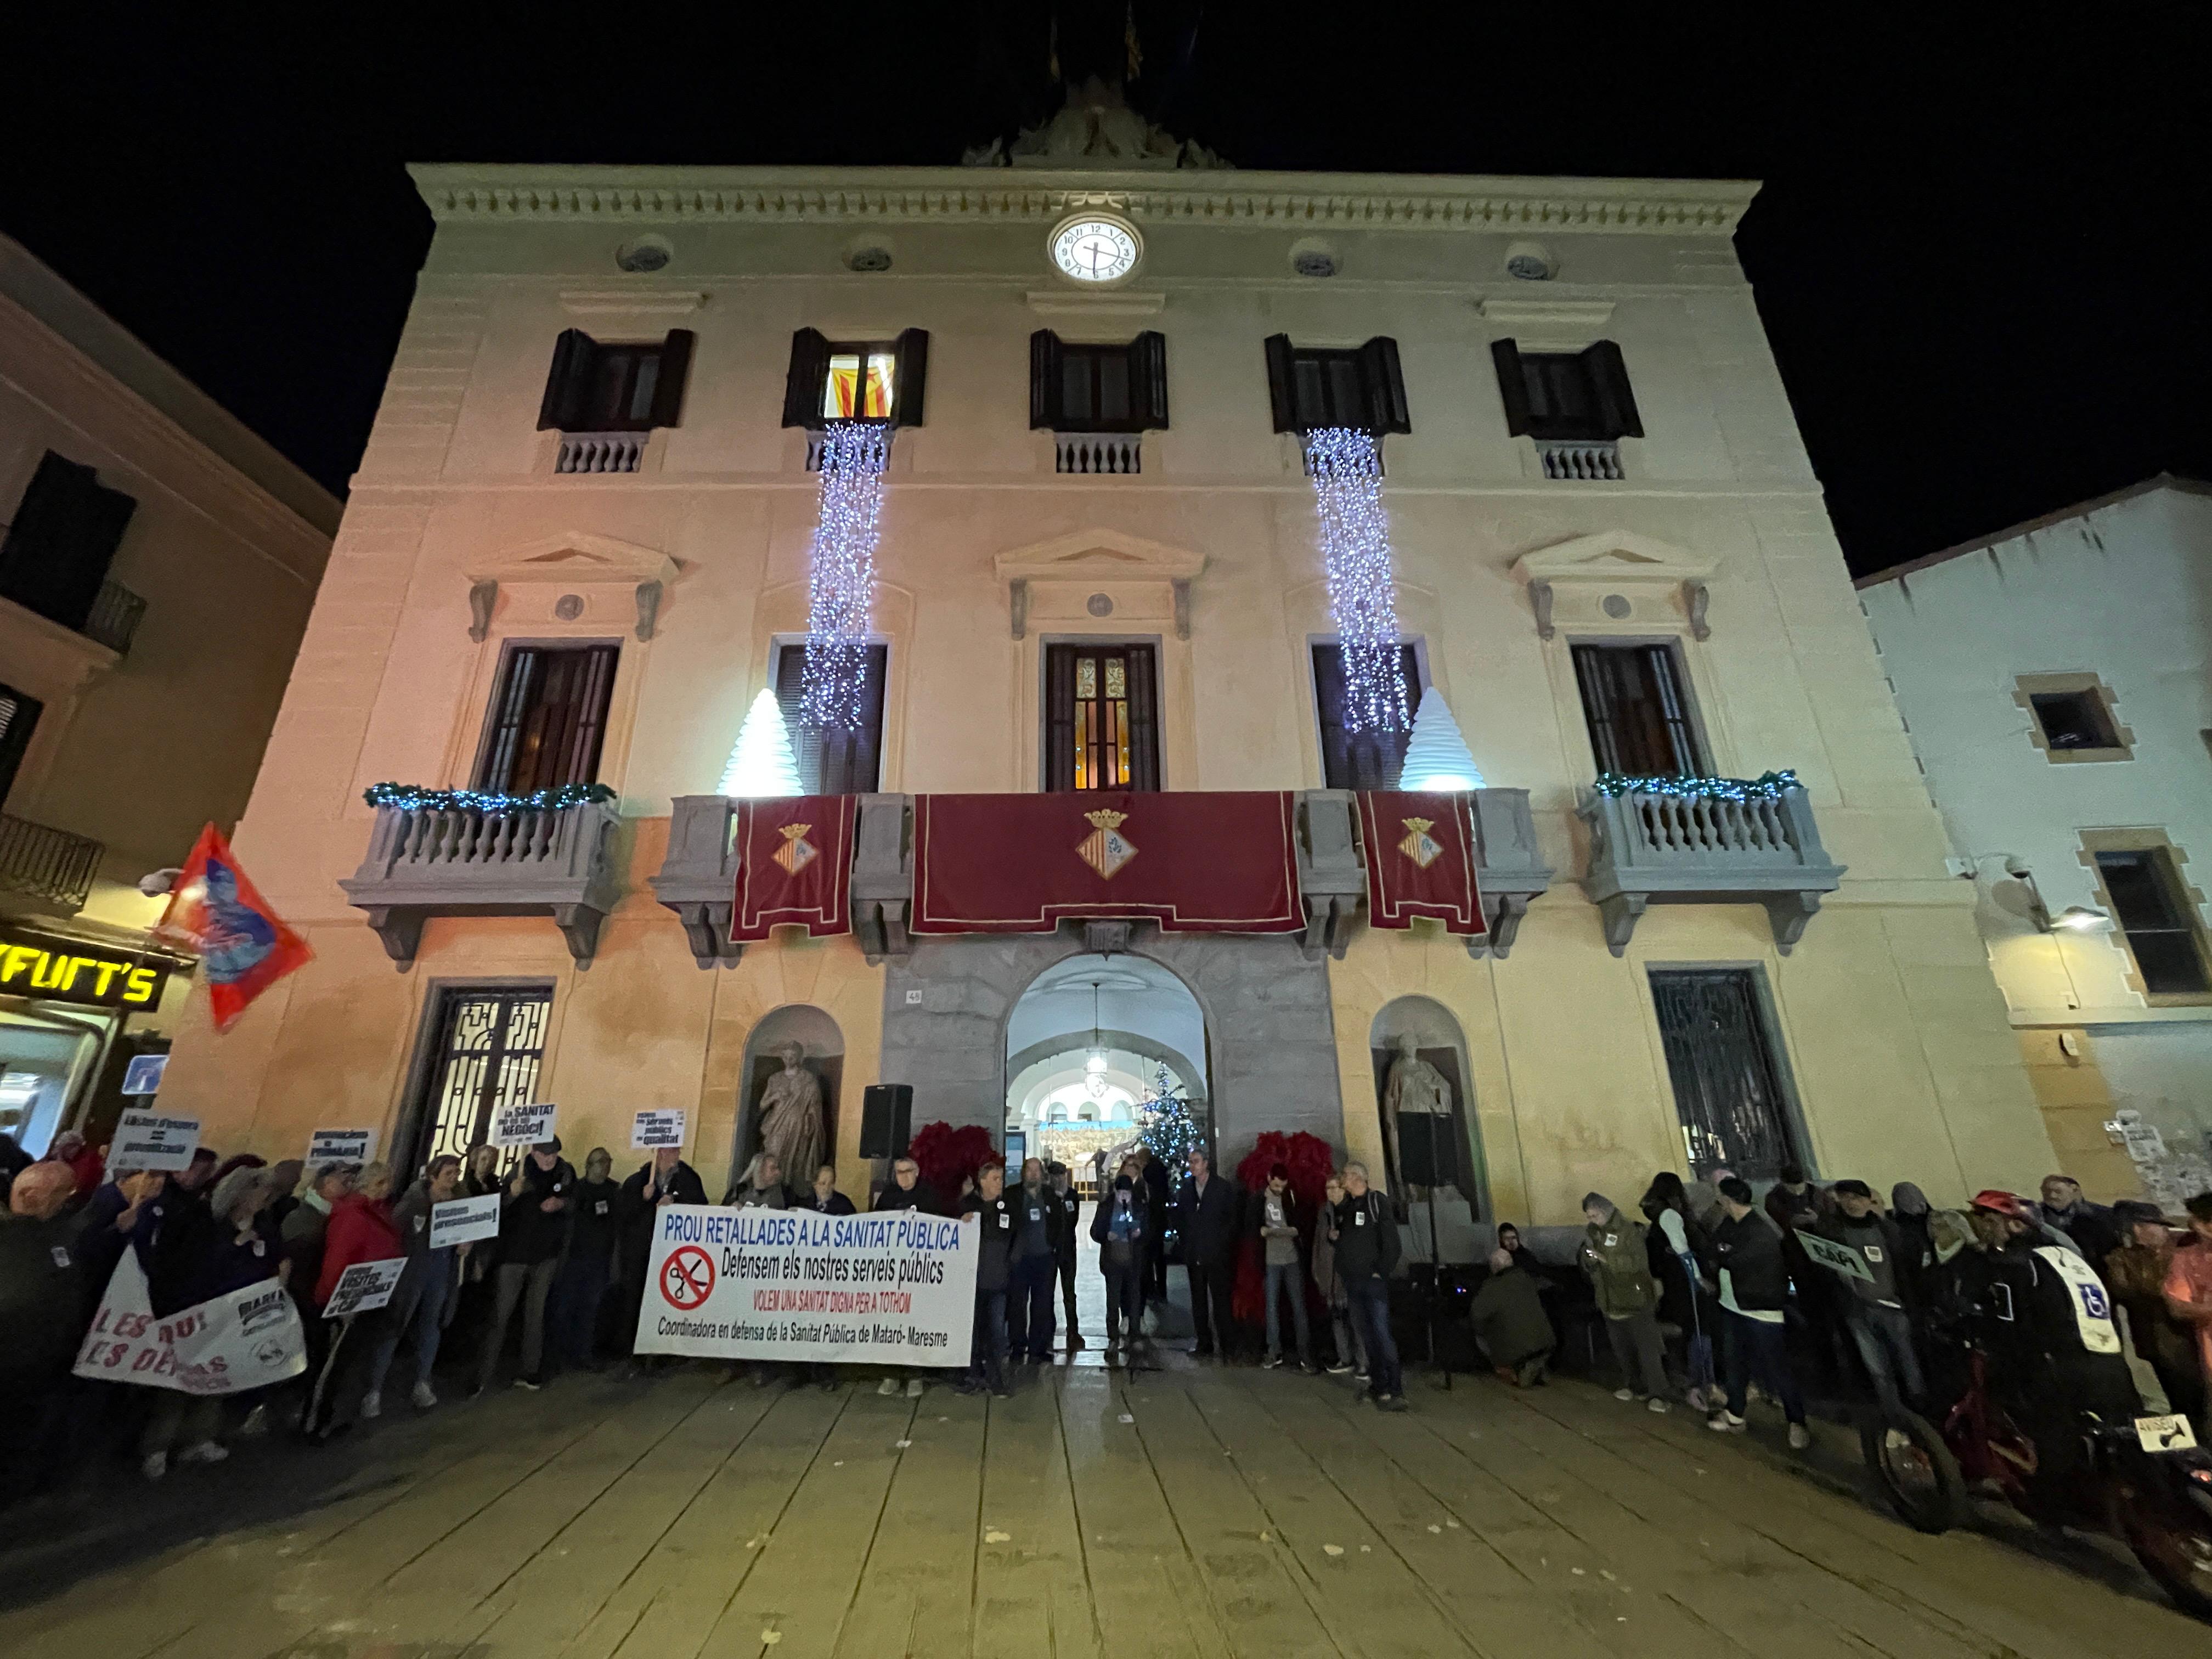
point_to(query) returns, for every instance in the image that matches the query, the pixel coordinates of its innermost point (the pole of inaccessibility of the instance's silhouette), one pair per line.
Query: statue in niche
(789, 1113)
(1417, 1102)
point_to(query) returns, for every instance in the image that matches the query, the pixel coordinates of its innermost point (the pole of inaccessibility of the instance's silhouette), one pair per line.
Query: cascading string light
(842, 574)
(410, 797)
(1767, 785)
(1355, 544)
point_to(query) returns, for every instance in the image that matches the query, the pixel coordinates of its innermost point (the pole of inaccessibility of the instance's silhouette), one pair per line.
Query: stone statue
(790, 1118)
(1415, 1088)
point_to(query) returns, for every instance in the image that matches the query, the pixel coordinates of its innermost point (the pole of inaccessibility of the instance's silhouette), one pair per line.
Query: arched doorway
(1423, 1094)
(821, 1047)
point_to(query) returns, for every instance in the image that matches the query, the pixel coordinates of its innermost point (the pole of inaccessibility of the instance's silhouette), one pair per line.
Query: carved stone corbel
(1018, 605)
(1502, 913)
(1618, 912)
(1540, 601)
(1697, 599)
(481, 598)
(1789, 912)
(648, 608)
(1182, 584)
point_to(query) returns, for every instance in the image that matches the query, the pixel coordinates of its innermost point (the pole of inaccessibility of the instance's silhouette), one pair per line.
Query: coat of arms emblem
(1106, 849)
(1419, 845)
(797, 852)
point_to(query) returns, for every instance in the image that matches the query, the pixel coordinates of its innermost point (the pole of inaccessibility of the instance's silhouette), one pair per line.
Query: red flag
(243, 945)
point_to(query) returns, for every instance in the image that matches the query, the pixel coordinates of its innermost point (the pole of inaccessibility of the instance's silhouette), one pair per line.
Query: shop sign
(72, 971)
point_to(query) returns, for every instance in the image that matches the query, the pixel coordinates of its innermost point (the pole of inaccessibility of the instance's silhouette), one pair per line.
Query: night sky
(1971, 250)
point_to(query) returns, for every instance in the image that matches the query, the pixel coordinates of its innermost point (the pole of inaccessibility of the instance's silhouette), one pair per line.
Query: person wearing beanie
(533, 1234)
(1878, 1312)
(1615, 1259)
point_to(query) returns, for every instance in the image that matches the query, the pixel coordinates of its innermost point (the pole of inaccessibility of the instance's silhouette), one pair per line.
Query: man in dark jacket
(2091, 1227)
(580, 1290)
(46, 1299)
(1044, 1223)
(1510, 1321)
(665, 1179)
(534, 1230)
(1877, 1310)
(1121, 1227)
(906, 1191)
(994, 1214)
(1754, 1291)
(1205, 1214)
(1366, 1256)
(1063, 1182)
(1159, 1200)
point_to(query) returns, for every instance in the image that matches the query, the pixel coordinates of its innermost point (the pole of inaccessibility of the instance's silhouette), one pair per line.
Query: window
(1359, 388)
(856, 380)
(595, 387)
(2071, 719)
(1358, 760)
(18, 717)
(1571, 396)
(488, 1045)
(1102, 717)
(1097, 388)
(833, 763)
(548, 718)
(65, 535)
(2152, 911)
(1640, 721)
(1730, 1097)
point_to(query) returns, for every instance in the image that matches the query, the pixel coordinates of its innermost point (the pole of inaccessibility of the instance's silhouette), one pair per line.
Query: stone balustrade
(600, 452)
(1098, 451)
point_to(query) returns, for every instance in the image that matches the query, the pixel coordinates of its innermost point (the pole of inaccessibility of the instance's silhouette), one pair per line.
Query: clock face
(1094, 251)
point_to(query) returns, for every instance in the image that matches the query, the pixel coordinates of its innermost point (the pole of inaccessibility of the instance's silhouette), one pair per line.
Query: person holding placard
(533, 1232)
(361, 1230)
(666, 1179)
(582, 1286)
(417, 1309)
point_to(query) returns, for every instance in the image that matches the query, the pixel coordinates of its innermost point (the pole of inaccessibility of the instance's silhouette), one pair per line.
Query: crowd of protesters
(1709, 1295)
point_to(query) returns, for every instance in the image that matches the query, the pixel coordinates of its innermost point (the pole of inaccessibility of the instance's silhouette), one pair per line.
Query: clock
(1090, 249)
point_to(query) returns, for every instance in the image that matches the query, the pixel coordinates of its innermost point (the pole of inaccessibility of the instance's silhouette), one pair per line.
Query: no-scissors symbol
(687, 1278)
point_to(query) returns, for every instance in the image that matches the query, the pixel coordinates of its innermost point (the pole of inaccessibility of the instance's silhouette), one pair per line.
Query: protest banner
(463, 1220)
(364, 1287)
(1837, 1258)
(523, 1126)
(154, 1140)
(341, 1146)
(651, 1131)
(246, 1340)
(754, 1283)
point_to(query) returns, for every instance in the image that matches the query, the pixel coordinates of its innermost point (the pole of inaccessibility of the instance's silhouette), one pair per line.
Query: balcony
(699, 878)
(1333, 880)
(1105, 453)
(600, 452)
(49, 869)
(1649, 846)
(424, 862)
(1581, 461)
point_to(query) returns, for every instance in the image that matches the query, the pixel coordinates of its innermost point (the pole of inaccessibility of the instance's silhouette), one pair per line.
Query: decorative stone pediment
(1095, 580)
(571, 564)
(1617, 578)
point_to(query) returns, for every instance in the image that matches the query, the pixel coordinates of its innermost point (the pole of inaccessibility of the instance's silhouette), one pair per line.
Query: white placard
(756, 1284)
(1837, 1258)
(523, 1126)
(247, 1340)
(341, 1146)
(364, 1287)
(2165, 1434)
(651, 1131)
(154, 1140)
(462, 1220)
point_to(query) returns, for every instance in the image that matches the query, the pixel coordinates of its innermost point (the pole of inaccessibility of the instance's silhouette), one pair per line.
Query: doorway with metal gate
(485, 1046)
(1732, 1089)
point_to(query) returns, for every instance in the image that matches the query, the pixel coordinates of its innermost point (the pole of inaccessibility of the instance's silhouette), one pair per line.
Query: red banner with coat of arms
(1195, 863)
(794, 866)
(1421, 853)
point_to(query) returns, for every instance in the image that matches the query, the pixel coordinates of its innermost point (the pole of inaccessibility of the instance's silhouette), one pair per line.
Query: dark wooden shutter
(548, 719)
(1638, 719)
(1282, 382)
(1385, 386)
(1362, 760)
(63, 538)
(1608, 384)
(833, 763)
(790, 697)
(1512, 385)
(1059, 717)
(567, 382)
(675, 370)
(1143, 719)
(18, 717)
(803, 382)
(1044, 380)
(910, 376)
(1148, 380)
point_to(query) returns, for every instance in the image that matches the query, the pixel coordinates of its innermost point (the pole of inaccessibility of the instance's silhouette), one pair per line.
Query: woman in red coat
(361, 1230)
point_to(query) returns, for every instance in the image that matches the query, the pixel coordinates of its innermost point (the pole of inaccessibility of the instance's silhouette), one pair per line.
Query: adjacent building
(580, 546)
(157, 565)
(2057, 680)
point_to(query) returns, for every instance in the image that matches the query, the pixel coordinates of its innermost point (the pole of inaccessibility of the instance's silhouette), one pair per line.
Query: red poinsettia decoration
(948, 1156)
(1309, 1159)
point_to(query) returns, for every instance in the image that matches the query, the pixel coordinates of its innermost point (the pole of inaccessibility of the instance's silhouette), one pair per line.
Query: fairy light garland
(410, 797)
(1355, 546)
(842, 574)
(1767, 785)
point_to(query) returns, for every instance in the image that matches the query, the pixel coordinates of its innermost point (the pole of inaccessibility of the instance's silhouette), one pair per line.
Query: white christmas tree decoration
(1438, 760)
(762, 762)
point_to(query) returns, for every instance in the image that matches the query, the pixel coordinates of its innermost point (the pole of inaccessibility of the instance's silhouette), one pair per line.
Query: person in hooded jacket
(1914, 1218)
(995, 1216)
(1676, 1246)
(1617, 1263)
(534, 1220)
(1754, 1282)
(1121, 1227)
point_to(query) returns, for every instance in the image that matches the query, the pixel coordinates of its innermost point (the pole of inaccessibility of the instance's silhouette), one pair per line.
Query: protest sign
(461, 1220)
(364, 1286)
(650, 1131)
(1837, 1258)
(246, 1340)
(154, 1140)
(341, 1146)
(523, 1126)
(754, 1283)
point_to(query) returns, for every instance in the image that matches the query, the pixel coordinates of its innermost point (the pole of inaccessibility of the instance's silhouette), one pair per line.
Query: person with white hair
(1367, 1250)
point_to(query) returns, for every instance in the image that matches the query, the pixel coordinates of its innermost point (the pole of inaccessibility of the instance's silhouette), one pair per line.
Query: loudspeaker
(1417, 1149)
(886, 1119)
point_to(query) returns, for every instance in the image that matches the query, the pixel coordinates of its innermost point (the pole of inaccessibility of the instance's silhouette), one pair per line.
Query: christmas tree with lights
(762, 762)
(1169, 1131)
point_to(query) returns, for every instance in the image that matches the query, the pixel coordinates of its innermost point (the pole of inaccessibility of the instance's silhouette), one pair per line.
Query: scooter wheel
(1918, 1475)
(2173, 1539)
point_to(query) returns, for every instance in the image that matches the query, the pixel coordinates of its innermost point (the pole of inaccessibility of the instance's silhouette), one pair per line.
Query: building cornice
(462, 193)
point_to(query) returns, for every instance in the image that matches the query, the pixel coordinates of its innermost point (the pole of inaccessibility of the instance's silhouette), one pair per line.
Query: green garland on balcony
(1767, 785)
(411, 798)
